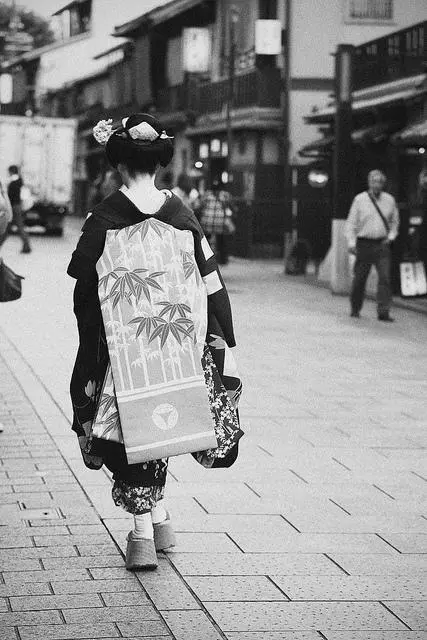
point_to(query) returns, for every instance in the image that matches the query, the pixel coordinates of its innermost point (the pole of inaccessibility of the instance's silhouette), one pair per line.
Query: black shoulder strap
(380, 213)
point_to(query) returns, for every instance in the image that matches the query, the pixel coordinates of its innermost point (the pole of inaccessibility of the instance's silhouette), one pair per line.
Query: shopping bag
(10, 283)
(154, 308)
(413, 280)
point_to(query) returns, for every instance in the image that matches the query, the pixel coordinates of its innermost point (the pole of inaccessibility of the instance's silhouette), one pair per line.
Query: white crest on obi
(143, 131)
(102, 131)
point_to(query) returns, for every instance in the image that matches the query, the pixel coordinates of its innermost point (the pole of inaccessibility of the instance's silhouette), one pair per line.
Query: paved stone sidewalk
(319, 530)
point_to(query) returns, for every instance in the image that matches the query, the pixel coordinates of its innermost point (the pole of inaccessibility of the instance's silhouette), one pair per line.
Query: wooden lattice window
(370, 10)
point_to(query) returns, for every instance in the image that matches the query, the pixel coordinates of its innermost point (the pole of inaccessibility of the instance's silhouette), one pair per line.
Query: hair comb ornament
(145, 132)
(103, 131)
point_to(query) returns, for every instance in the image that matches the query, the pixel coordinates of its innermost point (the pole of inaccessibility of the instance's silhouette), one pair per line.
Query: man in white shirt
(372, 224)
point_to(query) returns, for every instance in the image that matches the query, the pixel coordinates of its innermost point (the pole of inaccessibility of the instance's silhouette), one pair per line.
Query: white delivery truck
(43, 149)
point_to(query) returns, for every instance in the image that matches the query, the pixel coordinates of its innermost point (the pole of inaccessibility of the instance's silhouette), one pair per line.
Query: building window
(80, 18)
(369, 10)
(73, 20)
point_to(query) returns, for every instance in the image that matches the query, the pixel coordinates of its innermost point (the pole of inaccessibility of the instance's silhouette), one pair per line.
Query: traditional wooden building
(191, 98)
(174, 58)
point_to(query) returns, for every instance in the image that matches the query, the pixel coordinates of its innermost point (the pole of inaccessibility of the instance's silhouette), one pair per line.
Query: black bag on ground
(10, 283)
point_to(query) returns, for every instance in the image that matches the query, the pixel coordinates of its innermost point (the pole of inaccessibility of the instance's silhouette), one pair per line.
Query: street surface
(319, 529)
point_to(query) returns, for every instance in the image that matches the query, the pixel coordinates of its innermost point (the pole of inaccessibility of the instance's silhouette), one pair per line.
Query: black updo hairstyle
(139, 156)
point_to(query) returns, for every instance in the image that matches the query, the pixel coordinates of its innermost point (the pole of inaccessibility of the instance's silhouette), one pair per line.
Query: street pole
(233, 17)
(286, 101)
(343, 169)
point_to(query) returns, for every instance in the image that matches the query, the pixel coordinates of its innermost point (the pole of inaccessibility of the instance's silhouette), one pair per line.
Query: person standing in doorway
(372, 225)
(14, 193)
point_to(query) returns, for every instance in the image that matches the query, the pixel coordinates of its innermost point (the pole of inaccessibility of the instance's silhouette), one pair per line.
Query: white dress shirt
(364, 221)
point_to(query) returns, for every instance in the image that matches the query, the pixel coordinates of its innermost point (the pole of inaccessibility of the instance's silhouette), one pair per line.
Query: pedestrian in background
(186, 192)
(372, 225)
(6, 213)
(14, 191)
(137, 149)
(216, 218)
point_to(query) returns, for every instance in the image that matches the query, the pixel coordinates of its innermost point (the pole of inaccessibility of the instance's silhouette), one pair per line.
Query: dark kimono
(137, 487)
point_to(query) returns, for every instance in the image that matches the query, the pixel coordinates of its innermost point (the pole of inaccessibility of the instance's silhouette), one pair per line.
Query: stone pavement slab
(374, 635)
(407, 542)
(382, 565)
(69, 632)
(261, 542)
(240, 588)
(413, 613)
(282, 616)
(211, 564)
(352, 587)
(274, 635)
(191, 624)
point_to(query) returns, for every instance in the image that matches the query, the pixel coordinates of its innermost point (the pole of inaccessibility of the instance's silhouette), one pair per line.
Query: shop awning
(366, 135)
(413, 135)
(377, 96)
(320, 148)
(157, 15)
(113, 49)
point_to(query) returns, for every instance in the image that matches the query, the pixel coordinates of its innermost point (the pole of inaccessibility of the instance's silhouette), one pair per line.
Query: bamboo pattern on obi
(154, 307)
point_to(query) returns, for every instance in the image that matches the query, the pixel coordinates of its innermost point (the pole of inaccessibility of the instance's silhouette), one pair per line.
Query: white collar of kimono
(138, 200)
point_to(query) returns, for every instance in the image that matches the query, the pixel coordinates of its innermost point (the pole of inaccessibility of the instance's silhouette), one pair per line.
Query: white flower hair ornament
(103, 131)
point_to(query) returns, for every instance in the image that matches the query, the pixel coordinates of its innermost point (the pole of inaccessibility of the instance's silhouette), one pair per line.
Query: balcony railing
(398, 55)
(251, 89)
(256, 88)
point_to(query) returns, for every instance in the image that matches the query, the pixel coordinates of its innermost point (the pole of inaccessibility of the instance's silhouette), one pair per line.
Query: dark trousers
(219, 245)
(368, 253)
(18, 219)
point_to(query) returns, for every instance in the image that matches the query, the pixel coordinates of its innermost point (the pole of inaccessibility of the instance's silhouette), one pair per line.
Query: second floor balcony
(256, 88)
(392, 57)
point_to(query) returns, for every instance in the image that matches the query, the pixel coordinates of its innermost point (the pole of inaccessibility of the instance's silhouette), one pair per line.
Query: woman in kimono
(137, 147)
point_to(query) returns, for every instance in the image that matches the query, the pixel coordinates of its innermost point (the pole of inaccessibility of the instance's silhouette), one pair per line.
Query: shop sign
(268, 37)
(196, 49)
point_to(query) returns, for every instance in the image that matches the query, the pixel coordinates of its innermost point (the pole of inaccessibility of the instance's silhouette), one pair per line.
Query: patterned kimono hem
(136, 500)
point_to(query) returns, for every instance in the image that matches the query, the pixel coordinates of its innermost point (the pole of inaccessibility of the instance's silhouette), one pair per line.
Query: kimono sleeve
(218, 300)
(87, 253)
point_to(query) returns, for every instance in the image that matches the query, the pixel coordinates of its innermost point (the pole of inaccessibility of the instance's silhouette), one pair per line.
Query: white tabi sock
(158, 513)
(143, 526)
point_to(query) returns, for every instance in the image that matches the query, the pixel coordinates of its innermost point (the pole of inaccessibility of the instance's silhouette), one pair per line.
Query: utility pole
(233, 18)
(343, 168)
(286, 101)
